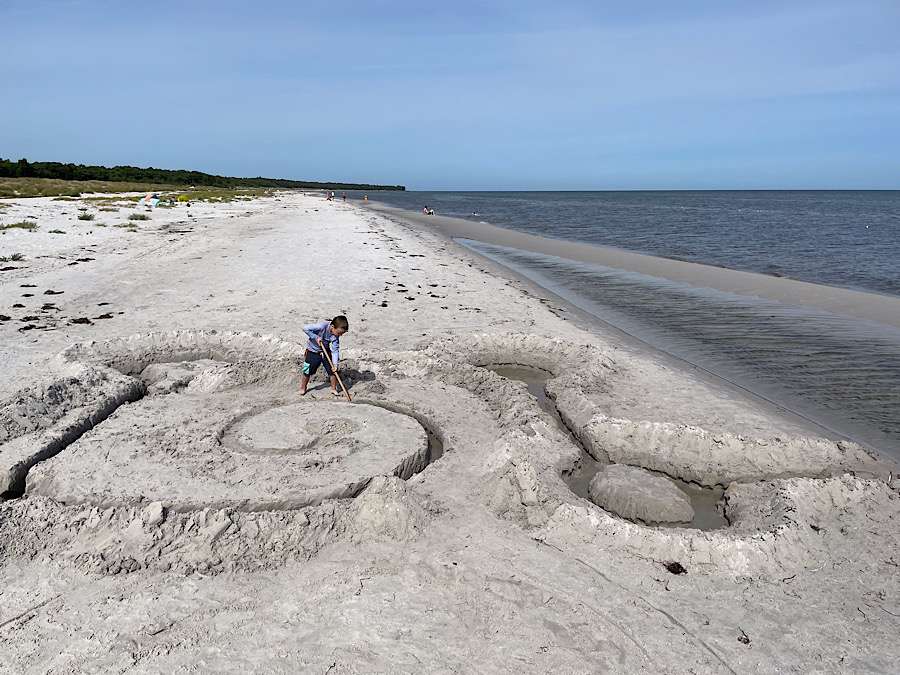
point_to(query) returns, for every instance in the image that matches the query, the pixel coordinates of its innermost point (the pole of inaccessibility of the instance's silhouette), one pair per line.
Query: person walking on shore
(323, 335)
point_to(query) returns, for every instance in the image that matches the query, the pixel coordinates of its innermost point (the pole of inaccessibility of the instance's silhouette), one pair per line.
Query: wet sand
(873, 307)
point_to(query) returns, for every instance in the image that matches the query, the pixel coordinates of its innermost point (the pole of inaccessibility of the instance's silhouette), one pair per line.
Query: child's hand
(319, 341)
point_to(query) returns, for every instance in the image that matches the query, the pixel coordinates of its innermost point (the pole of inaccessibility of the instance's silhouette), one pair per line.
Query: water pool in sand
(705, 501)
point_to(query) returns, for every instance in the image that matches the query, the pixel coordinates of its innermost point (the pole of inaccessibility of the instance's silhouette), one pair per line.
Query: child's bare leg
(334, 388)
(304, 383)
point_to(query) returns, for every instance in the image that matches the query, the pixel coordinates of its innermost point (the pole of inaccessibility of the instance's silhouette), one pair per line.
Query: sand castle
(199, 424)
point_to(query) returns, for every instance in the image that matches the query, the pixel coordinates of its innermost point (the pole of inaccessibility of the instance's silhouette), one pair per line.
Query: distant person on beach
(344, 196)
(323, 335)
(365, 198)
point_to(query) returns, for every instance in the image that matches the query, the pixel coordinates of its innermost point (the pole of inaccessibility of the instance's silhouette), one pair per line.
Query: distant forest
(25, 169)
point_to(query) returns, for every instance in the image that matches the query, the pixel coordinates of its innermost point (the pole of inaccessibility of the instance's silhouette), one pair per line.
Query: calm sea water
(840, 238)
(843, 373)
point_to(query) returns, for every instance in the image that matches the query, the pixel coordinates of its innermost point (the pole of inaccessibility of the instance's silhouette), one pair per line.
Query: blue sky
(504, 95)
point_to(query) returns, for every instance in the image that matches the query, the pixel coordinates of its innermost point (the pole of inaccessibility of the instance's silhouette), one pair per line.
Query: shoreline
(583, 319)
(759, 391)
(865, 305)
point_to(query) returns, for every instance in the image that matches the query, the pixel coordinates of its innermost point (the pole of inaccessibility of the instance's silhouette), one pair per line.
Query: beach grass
(51, 187)
(216, 195)
(15, 257)
(56, 231)
(21, 225)
(115, 199)
(85, 216)
(138, 216)
(70, 190)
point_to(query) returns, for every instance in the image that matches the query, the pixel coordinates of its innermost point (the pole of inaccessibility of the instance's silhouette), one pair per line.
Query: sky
(652, 94)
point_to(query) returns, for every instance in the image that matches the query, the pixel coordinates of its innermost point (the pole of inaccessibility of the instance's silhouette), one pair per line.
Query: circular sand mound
(322, 434)
(192, 452)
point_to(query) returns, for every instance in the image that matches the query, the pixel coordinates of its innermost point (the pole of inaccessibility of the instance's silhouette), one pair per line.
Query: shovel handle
(334, 370)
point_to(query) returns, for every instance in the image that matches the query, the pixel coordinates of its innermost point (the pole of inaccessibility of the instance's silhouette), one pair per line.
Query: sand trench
(191, 450)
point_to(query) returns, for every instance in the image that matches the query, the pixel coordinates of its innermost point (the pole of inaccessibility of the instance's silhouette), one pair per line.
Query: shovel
(334, 370)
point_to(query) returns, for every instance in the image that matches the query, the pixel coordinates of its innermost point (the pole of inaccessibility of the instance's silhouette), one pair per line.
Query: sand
(174, 504)
(875, 307)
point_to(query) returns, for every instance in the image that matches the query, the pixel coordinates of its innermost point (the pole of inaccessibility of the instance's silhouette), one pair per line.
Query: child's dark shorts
(312, 361)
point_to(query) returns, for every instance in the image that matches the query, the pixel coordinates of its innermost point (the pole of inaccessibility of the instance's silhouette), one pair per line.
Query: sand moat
(511, 489)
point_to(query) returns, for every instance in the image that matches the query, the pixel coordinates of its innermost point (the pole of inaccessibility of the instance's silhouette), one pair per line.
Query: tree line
(25, 169)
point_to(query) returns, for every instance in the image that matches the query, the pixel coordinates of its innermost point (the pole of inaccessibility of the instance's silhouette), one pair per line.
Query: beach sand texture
(172, 503)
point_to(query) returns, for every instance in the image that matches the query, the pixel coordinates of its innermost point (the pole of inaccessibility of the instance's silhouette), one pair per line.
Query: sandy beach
(874, 307)
(172, 504)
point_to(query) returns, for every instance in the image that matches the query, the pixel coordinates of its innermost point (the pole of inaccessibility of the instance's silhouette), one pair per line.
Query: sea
(841, 373)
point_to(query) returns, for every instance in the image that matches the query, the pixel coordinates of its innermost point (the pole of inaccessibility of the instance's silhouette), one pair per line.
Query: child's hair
(340, 321)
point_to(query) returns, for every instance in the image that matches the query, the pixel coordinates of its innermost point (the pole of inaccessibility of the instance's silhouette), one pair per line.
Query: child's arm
(313, 330)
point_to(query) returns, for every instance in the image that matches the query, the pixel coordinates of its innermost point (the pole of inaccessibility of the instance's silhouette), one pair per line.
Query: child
(323, 335)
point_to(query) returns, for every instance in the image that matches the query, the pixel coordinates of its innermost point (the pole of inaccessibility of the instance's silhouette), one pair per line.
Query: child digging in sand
(323, 335)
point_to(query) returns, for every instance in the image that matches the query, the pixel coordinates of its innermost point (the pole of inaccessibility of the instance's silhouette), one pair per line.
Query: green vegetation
(214, 195)
(15, 257)
(69, 189)
(112, 209)
(80, 172)
(138, 216)
(56, 231)
(115, 199)
(85, 216)
(23, 225)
